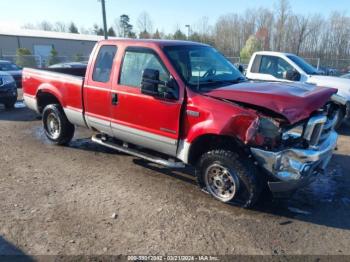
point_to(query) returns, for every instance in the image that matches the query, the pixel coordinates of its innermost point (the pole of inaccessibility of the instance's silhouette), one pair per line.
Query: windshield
(203, 67)
(306, 67)
(8, 67)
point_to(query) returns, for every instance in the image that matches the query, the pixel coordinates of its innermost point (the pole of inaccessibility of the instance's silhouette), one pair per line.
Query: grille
(319, 128)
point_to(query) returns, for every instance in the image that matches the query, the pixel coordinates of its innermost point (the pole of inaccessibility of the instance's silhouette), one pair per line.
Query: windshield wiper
(233, 81)
(202, 85)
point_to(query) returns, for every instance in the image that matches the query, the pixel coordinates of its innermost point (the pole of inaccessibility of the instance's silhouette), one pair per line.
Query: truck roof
(154, 42)
(273, 53)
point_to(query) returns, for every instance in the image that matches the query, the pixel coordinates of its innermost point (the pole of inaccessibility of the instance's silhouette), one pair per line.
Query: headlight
(294, 133)
(6, 79)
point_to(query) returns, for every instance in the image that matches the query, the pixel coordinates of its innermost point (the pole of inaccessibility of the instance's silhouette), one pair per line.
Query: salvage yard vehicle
(8, 90)
(285, 67)
(13, 70)
(178, 103)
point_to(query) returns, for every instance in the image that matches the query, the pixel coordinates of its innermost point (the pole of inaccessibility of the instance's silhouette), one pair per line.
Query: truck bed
(67, 85)
(68, 71)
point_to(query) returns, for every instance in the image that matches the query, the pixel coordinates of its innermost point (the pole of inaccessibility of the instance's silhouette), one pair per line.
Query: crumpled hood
(293, 101)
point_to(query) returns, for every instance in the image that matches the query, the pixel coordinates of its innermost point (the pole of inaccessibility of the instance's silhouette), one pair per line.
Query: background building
(69, 47)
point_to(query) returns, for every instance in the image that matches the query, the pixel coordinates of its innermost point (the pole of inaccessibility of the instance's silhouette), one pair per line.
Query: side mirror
(150, 82)
(240, 68)
(153, 86)
(292, 75)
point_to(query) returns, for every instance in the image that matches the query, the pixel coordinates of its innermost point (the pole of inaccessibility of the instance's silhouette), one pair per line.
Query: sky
(166, 15)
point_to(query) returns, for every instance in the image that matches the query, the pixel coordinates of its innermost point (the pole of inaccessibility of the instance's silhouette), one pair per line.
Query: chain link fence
(36, 61)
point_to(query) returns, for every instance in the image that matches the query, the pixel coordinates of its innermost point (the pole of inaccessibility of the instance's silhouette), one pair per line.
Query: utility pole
(188, 31)
(104, 18)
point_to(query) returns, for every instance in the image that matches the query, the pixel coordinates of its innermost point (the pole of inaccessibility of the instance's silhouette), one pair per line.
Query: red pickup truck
(178, 103)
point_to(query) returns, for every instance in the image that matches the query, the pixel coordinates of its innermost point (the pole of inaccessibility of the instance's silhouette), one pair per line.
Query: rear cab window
(104, 64)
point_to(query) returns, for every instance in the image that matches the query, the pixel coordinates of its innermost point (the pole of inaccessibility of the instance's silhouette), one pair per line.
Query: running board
(170, 164)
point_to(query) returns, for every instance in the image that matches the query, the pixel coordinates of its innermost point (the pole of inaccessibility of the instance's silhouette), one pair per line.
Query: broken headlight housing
(294, 133)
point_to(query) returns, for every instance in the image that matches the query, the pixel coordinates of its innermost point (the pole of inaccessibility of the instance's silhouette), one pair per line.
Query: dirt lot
(60, 200)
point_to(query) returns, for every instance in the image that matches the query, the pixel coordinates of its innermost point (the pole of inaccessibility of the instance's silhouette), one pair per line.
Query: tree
(45, 26)
(145, 24)
(228, 34)
(179, 35)
(24, 58)
(282, 11)
(156, 35)
(144, 35)
(195, 37)
(252, 45)
(53, 58)
(73, 28)
(97, 30)
(126, 27)
(60, 27)
(111, 32)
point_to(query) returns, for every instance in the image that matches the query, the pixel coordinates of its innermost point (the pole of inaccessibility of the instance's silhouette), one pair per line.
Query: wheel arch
(46, 95)
(207, 142)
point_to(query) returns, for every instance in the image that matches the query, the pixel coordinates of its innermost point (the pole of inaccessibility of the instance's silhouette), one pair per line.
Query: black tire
(56, 125)
(10, 105)
(240, 172)
(341, 117)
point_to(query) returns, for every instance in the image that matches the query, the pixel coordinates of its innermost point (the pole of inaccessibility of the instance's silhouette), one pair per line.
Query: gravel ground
(85, 199)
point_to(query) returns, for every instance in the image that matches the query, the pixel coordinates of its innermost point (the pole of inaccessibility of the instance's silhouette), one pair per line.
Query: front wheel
(229, 178)
(341, 116)
(57, 127)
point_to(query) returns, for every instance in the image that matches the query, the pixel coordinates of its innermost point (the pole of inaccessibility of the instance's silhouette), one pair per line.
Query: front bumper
(8, 93)
(294, 168)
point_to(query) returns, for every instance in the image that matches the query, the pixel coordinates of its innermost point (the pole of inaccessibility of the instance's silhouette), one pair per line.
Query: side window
(256, 64)
(275, 66)
(104, 64)
(135, 62)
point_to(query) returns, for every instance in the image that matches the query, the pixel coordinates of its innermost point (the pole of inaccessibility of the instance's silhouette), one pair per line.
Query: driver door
(141, 119)
(271, 68)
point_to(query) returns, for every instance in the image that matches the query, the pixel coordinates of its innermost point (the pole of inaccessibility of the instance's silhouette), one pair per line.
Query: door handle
(114, 99)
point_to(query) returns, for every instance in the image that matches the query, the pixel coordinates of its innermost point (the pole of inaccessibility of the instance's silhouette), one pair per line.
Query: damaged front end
(294, 155)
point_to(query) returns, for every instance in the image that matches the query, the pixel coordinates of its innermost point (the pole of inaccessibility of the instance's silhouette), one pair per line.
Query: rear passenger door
(144, 120)
(97, 90)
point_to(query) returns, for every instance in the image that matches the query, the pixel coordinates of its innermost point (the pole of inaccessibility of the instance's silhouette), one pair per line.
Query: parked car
(285, 67)
(177, 103)
(327, 71)
(14, 70)
(8, 90)
(346, 76)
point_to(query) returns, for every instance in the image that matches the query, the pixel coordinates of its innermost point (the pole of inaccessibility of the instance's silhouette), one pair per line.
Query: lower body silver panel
(31, 103)
(75, 116)
(141, 138)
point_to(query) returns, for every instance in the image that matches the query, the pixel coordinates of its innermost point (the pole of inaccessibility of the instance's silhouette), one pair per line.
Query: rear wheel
(229, 178)
(57, 127)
